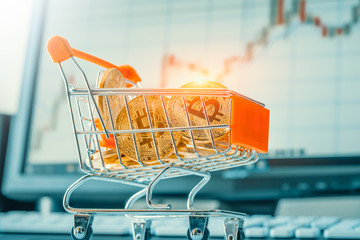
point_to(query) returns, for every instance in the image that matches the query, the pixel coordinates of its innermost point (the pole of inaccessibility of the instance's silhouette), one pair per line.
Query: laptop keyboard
(257, 226)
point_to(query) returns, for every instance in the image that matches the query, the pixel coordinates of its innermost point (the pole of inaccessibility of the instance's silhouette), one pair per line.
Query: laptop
(299, 60)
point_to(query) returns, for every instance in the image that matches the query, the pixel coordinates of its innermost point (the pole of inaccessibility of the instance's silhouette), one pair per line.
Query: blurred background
(298, 57)
(15, 27)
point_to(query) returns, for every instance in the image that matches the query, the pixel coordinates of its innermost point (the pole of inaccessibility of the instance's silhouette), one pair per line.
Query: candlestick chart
(278, 17)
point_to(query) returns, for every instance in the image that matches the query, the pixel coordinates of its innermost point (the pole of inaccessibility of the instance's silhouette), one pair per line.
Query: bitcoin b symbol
(217, 110)
(139, 119)
(200, 113)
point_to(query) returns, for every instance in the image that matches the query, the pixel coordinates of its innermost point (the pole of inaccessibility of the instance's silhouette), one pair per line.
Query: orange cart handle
(60, 50)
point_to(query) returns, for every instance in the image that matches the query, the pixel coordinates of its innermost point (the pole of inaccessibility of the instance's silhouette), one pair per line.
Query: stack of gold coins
(144, 146)
(111, 160)
(149, 147)
(216, 112)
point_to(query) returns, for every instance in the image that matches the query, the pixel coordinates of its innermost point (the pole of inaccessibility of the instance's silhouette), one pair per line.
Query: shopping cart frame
(147, 176)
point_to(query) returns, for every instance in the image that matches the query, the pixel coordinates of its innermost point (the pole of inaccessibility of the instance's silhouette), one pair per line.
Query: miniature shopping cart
(247, 135)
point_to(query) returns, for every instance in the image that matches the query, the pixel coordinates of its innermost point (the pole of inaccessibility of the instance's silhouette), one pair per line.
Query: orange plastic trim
(105, 142)
(129, 73)
(249, 124)
(60, 50)
(93, 59)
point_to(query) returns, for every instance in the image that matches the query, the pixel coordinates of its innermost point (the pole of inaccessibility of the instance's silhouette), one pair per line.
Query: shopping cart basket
(246, 135)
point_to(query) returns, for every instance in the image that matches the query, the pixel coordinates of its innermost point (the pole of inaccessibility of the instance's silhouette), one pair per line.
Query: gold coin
(203, 84)
(144, 140)
(111, 160)
(115, 166)
(109, 156)
(201, 151)
(217, 109)
(219, 144)
(112, 78)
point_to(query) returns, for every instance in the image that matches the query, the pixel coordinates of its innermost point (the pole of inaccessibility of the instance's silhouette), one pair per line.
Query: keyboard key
(262, 217)
(311, 233)
(324, 222)
(109, 224)
(216, 227)
(346, 224)
(282, 232)
(302, 221)
(170, 231)
(253, 223)
(170, 227)
(336, 233)
(39, 226)
(256, 221)
(277, 221)
(256, 232)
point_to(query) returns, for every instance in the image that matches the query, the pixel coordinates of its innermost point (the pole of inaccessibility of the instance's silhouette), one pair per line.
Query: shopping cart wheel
(196, 234)
(82, 229)
(141, 230)
(198, 227)
(234, 229)
(80, 234)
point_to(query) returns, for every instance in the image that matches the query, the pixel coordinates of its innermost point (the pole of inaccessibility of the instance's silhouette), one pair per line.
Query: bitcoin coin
(144, 140)
(217, 109)
(112, 78)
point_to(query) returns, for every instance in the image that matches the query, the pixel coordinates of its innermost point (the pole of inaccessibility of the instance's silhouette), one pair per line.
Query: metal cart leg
(234, 229)
(198, 228)
(190, 202)
(141, 229)
(130, 202)
(82, 228)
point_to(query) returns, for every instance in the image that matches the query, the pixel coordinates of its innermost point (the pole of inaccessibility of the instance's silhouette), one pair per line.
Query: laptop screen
(299, 60)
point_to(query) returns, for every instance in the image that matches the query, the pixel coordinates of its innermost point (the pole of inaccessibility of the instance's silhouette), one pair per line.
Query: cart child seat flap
(249, 124)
